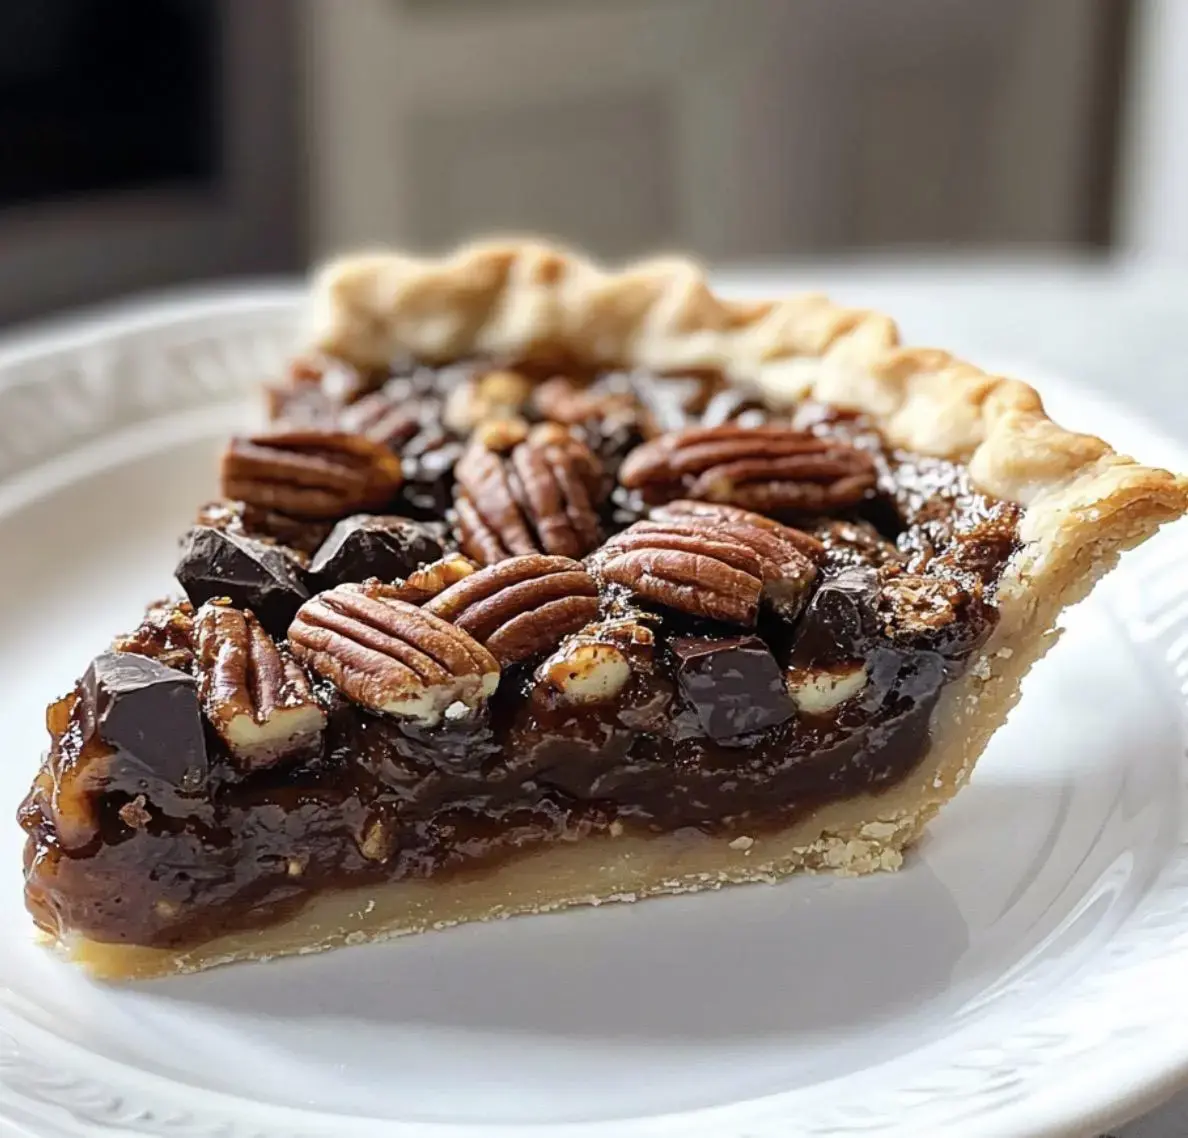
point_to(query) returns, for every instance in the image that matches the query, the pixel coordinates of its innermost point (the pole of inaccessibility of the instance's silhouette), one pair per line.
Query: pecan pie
(548, 586)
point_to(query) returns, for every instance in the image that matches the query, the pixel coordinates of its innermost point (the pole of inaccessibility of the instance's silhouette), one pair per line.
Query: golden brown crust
(847, 837)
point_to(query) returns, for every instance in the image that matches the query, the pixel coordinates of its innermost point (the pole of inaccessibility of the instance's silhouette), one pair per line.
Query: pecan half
(768, 468)
(522, 606)
(541, 496)
(311, 474)
(689, 566)
(393, 657)
(166, 634)
(788, 558)
(258, 700)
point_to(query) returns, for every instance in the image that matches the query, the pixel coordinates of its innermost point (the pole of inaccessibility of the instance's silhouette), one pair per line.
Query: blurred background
(148, 143)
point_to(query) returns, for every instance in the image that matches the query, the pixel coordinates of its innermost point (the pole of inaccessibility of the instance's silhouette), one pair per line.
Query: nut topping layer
(522, 606)
(771, 469)
(540, 496)
(689, 566)
(392, 657)
(311, 474)
(258, 700)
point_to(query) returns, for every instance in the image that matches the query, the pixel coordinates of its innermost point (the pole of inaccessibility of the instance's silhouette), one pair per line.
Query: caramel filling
(675, 677)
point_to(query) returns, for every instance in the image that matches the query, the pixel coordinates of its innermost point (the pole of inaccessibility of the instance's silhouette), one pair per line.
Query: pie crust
(1083, 505)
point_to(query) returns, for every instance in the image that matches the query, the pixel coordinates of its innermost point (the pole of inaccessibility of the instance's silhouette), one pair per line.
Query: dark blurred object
(145, 143)
(98, 96)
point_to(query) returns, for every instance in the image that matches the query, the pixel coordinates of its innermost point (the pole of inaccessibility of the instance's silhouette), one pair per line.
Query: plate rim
(210, 346)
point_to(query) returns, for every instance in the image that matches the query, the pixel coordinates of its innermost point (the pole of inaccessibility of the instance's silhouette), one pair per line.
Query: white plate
(1026, 974)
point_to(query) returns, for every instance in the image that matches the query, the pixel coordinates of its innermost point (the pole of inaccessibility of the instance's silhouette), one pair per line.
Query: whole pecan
(690, 566)
(788, 558)
(769, 468)
(392, 657)
(521, 606)
(539, 496)
(258, 699)
(311, 474)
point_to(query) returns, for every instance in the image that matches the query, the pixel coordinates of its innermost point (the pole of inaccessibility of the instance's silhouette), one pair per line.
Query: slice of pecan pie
(548, 587)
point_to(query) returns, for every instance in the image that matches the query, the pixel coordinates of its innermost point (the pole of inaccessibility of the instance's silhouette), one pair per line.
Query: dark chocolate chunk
(840, 621)
(371, 545)
(150, 715)
(734, 684)
(251, 574)
(429, 462)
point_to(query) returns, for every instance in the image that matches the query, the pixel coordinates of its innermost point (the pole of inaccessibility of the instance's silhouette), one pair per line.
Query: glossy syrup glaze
(120, 853)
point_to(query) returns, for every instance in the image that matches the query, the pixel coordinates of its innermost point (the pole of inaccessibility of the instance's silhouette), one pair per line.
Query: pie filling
(444, 616)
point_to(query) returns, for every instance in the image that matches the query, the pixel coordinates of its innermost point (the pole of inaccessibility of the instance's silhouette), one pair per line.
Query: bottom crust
(859, 836)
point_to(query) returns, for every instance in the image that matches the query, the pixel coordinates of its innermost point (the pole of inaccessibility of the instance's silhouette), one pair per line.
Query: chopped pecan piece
(426, 582)
(501, 435)
(934, 613)
(258, 699)
(769, 468)
(850, 543)
(596, 663)
(788, 558)
(691, 567)
(497, 395)
(393, 657)
(311, 474)
(522, 606)
(135, 814)
(819, 691)
(166, 634)
(541, 496)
